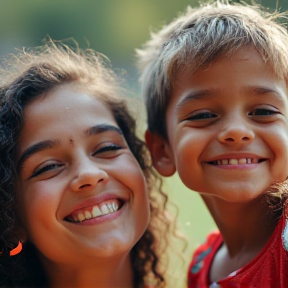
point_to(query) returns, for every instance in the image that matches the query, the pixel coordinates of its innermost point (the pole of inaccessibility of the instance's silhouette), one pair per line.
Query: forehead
(245, 70)
(237, 63)
(66, 99)
(63, 110)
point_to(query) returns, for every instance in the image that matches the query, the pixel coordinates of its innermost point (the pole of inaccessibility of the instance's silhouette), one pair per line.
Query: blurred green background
(114, 28)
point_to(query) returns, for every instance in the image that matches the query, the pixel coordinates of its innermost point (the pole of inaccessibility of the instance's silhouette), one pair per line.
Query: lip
(96, 200)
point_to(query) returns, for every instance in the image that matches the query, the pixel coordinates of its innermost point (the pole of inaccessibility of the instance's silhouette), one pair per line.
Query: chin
(239, 195)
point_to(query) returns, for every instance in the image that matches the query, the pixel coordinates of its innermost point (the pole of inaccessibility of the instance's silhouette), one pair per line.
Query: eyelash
(267, 112)
(203, 115)
(111, 147)
(46, 168)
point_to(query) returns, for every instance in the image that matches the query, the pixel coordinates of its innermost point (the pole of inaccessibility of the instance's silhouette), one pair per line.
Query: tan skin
(227, 138)
(243, 242)
(78, 170)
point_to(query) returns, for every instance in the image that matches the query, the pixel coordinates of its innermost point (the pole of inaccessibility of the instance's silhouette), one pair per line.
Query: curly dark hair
(24, 77)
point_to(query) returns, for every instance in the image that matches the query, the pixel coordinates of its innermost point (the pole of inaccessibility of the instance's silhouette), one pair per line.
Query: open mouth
(241, 161)
(95, 211)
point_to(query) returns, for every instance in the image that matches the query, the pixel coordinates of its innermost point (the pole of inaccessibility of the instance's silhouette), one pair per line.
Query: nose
(88, 175)
(236, 131)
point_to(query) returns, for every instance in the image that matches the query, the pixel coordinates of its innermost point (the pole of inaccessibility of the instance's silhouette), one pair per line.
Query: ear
(161, 153)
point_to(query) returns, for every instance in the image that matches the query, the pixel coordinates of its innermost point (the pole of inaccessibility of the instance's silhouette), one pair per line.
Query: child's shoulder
(213, 240)
(202, 258)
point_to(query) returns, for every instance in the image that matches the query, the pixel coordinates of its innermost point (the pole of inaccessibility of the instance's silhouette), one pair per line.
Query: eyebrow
(206, 94)
(195, 95)
(264, 90)
(46, 144)
(36, 148)
(97, 129)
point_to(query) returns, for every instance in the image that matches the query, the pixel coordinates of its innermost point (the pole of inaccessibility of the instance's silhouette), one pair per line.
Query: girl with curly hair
(75, 181)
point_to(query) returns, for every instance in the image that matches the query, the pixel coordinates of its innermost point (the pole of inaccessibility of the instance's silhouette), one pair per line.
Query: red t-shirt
(268, 269)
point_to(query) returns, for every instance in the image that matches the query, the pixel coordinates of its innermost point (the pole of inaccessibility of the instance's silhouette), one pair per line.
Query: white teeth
(75, 218)
(81, 217)
(110, 208)
(96, 211)
(88, 215)
(242, 161)
(115, 206)
(104, 209)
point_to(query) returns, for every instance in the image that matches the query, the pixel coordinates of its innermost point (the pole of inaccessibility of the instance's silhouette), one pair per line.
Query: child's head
(69, 152)
(218, 77)
(196, 39)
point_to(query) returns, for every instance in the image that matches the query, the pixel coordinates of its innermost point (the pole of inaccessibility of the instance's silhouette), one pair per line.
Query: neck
(245, 231)
(104, 274)
(245, 226)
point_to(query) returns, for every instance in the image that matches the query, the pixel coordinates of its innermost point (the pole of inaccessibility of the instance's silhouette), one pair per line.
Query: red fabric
(268, 269)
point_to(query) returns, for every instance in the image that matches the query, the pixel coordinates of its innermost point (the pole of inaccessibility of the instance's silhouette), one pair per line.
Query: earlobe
(161, 153)
(22, 235)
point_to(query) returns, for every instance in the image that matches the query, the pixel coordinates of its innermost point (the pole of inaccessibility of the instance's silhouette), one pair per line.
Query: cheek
(187, 154)
(136, 182)
(188, 149)
(278, 139)
(190, 143)
(133, 179)
(128, 172)
(38, 204)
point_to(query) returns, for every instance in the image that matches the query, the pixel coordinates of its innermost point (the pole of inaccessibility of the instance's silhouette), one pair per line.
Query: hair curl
(23, 78)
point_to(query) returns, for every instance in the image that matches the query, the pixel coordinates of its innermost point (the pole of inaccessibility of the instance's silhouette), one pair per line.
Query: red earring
(16, 250)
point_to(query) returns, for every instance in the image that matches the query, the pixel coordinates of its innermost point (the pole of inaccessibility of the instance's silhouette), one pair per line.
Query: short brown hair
(198, 37)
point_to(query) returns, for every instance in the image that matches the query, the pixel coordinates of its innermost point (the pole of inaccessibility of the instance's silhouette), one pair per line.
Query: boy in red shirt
(218, 77)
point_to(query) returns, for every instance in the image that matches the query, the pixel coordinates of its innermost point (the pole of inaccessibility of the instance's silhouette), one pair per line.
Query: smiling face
(81, 191)
(227, 128)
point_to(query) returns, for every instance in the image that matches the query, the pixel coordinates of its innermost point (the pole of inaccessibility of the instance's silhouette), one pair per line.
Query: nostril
(229, 140)
(85, 185)
(245, 139)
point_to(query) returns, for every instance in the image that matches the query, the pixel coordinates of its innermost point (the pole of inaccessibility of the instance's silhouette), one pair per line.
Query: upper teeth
(95, 211)
(237, 161)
